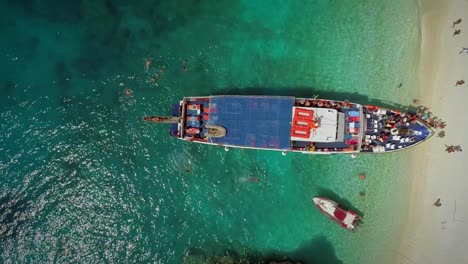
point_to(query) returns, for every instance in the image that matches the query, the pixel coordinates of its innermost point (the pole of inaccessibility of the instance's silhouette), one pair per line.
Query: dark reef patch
(8, 87)
(316, 251)
(55, 11)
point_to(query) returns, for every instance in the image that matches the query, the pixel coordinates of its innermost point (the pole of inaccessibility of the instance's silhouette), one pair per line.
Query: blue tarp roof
(253, 121)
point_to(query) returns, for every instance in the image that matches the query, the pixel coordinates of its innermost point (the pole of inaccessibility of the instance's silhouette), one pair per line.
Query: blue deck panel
(175, 112)
(253, 121)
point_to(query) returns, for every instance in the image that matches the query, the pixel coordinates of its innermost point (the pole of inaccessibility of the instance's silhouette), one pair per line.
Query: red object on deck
(303, 122)
(303, 113)
(340, 214)
(192, 118)
(193, 107)
(299, 131)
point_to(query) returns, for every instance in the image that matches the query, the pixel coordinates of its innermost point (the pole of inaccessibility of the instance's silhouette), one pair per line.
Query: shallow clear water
(83, 179)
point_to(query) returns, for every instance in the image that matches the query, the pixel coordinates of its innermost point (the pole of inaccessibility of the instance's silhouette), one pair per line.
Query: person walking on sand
(441, 134)
(464, 50)
(449, 149)
(437, 203)
(460, 82)
(456, 32)
(456, 22)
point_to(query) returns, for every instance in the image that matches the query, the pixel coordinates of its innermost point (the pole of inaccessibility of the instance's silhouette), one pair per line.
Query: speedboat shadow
(346, 204)
(315, 250)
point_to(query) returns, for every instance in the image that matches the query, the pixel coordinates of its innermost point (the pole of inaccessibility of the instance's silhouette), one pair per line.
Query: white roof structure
(326, 125)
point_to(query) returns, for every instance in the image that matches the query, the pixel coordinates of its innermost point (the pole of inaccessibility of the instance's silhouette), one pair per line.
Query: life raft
(215, 131)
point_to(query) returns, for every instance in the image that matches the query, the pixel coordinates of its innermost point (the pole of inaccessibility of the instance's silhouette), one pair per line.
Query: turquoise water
(83, 179)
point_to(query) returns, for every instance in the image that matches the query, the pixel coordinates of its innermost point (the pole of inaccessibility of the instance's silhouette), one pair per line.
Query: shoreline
(431, 234)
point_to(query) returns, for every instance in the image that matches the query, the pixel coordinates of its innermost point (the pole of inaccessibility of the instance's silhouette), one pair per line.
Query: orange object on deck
(303, 113)
(303, 122)
(193, 107)
(299, 131)
(300, 122)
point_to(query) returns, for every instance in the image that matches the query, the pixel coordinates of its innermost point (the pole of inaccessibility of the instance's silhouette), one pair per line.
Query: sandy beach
(439, 234)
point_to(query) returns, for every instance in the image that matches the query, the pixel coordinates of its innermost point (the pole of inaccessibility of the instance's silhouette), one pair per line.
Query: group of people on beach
(464, 50)
(453, 148)
(457, 31)
(424, 114)
(436, 123)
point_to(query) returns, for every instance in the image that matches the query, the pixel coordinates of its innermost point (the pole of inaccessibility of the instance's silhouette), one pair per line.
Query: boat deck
(250, 121)
(266, 122)
(388, 130)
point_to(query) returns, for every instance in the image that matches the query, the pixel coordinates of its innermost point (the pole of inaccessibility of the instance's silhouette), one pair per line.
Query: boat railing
(362, 126)
(183, 114)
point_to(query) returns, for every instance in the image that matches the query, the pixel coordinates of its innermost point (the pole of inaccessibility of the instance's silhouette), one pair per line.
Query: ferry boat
(345, 218)
(289, 124)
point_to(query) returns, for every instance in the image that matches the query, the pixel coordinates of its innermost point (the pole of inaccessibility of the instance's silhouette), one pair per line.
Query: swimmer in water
(148, 64)
(247, 179)
(154, 77)
(184, 65)
(128, 92)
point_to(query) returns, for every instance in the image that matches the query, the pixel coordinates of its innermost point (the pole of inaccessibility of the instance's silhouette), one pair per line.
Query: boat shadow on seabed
(308, 92)
(316, 250)
(312, 92)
